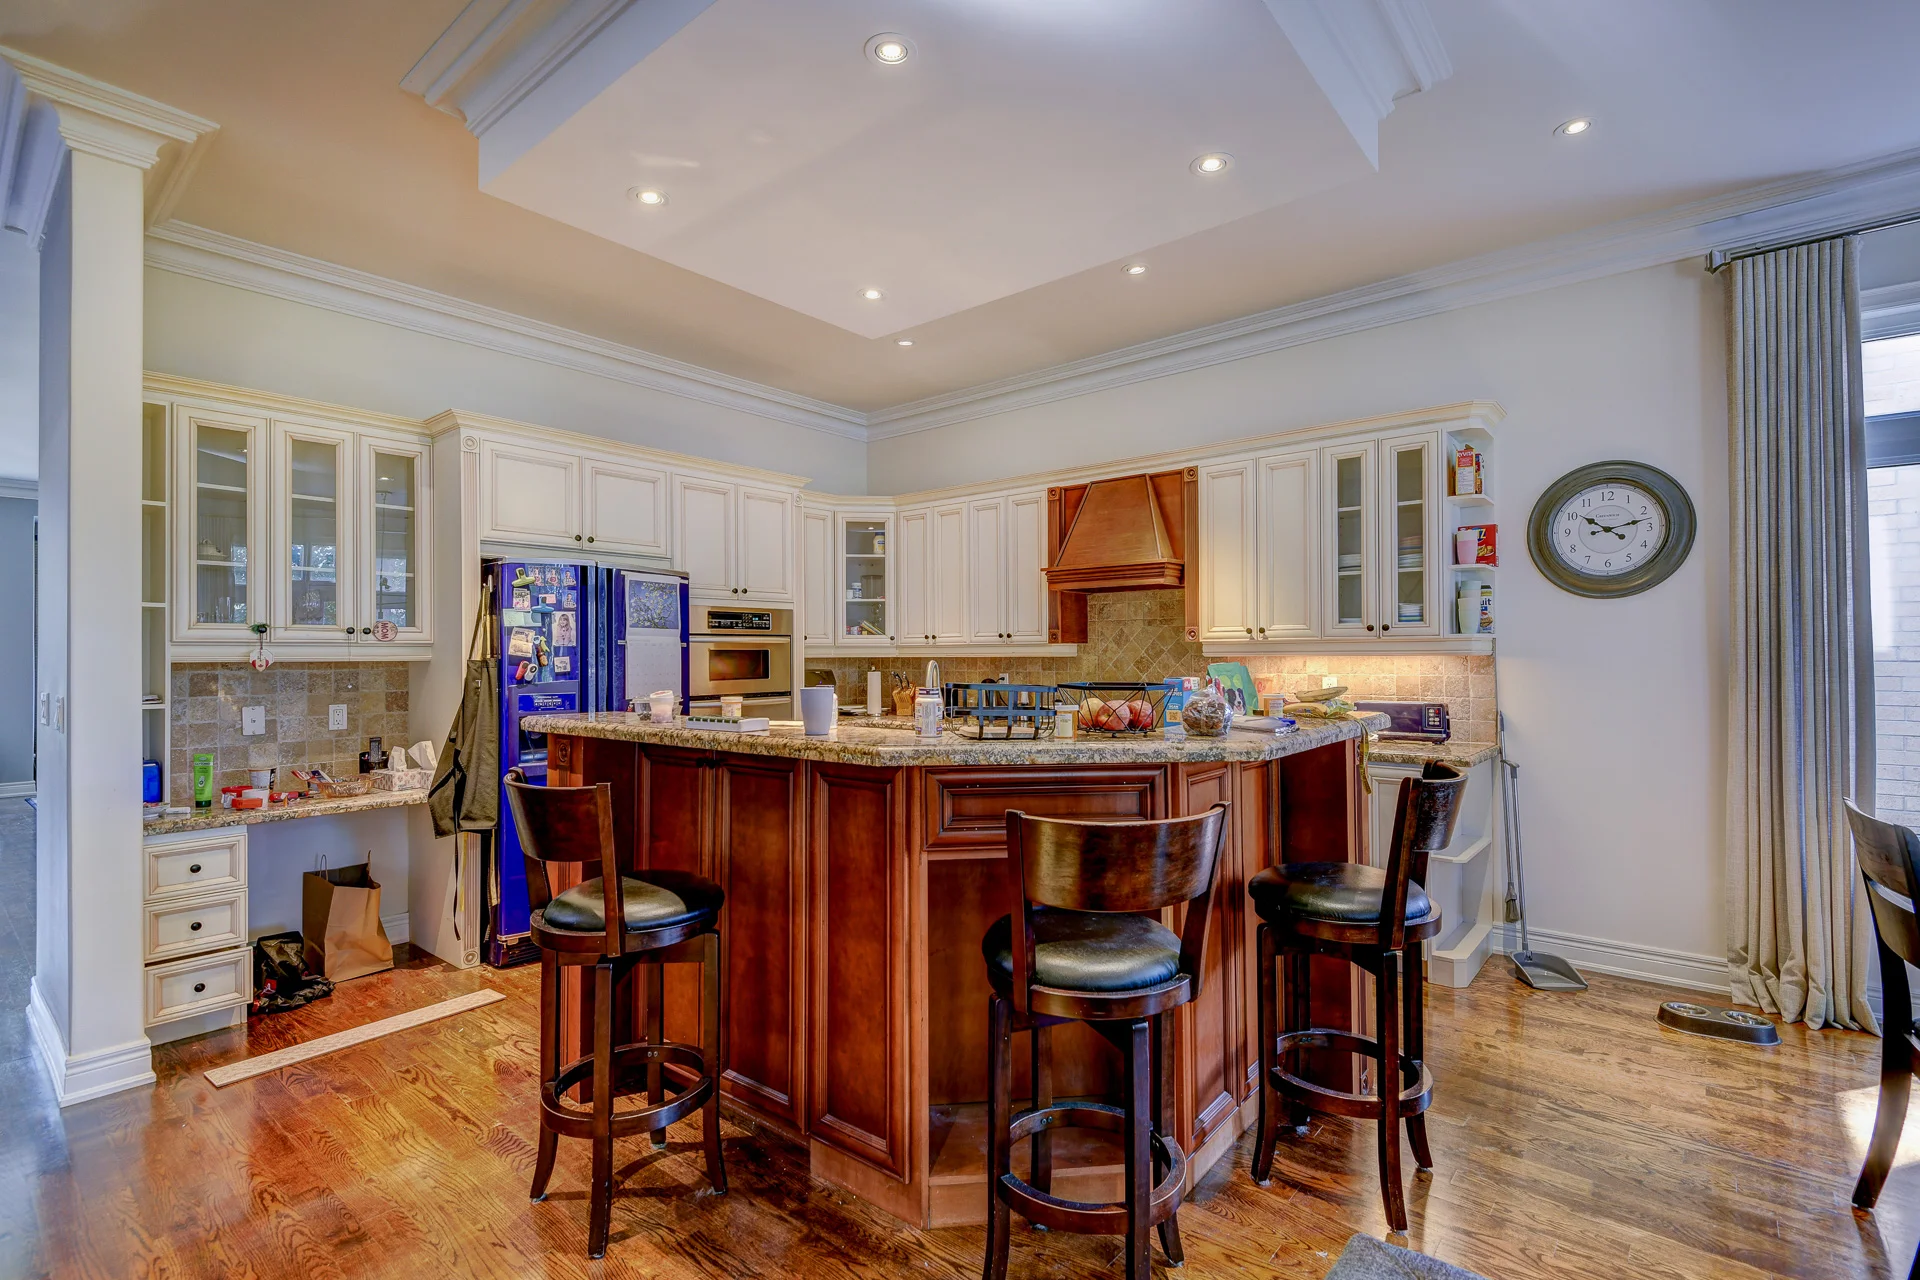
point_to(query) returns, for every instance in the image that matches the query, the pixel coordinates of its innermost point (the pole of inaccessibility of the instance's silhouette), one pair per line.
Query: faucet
(933, 677)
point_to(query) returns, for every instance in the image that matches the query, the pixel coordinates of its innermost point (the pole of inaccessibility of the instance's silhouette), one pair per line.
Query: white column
(86, 1010)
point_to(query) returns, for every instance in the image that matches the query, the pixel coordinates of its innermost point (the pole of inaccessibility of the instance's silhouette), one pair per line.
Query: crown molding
(199, 391)
(1890, 312)
(188, 250)
(104, 120)
(1822, 204)
(465, 420)
(16, 487)
(31, 152)
(1365, 55)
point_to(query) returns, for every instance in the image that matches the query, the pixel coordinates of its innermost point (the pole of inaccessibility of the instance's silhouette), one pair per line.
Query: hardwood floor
(1573, 1137)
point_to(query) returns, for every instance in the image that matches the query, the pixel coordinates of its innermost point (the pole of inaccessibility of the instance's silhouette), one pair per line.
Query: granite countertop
(873, 741)
(209, 819)
(1462, 755)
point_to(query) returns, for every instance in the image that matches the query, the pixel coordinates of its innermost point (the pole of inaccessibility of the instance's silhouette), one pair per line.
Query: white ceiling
(321, 152)
(1023, 141)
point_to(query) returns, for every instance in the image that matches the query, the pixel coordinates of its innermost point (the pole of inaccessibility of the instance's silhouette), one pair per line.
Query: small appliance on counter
(1411, 721)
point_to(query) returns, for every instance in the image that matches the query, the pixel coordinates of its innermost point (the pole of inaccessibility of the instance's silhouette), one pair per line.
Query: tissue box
(400, 779)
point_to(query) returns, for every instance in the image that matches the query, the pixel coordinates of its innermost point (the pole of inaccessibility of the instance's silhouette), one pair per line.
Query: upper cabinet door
(1026, 567)
(765, 555)
(1289, 543)
(987, 571)
(623, 507)
(396, 520)
(819, 577)
(221, 471)
(912, 565)
(529, 495)
(947, 575)
(1349, 522)
(865, 549)
(703, 534)
(315, 520)
(1410, 510)
(1227, 551)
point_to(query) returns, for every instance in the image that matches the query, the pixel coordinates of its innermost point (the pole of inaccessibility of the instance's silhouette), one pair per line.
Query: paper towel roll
(873, 694)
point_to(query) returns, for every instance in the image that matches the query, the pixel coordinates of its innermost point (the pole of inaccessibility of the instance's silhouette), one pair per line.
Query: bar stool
(1376, 919)
(615, 923)
(1076, 949)
(1889, 857)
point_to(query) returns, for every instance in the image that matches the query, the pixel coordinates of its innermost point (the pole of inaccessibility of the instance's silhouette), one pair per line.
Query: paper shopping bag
(340, 923)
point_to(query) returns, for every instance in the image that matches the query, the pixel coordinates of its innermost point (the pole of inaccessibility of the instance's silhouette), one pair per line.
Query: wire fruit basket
(1117, 707)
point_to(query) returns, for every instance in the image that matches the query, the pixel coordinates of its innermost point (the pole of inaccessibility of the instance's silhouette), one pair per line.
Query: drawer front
(966, 809)
(197, 866)
(204, 983)
(189, 926)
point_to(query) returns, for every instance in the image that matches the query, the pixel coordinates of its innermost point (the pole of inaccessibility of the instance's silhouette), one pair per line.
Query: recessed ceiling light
(1135, 268)
(1211, 163)
(903, 342)
(889, 49)
(1577, 125)
(872, 295)
(652, 196)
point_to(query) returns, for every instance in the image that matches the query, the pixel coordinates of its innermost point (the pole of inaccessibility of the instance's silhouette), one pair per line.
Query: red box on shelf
(1486, 547)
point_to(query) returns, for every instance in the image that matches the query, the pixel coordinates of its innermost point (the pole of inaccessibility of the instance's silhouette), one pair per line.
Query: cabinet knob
(1249, 630)
(349, 630)
(366, 631)
(589, 537)
(1369, 626)
(194, 870)
(576, 537)
(195, 926)
(1385, 627)
(1263, 631)
(198, 987)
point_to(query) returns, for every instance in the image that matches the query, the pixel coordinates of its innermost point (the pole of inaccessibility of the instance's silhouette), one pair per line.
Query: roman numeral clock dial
(1611, 529)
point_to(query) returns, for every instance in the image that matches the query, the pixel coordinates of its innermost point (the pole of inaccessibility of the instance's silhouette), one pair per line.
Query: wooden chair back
(1424, 818)
(1889, 857)
(1115, 867)
(568, 824)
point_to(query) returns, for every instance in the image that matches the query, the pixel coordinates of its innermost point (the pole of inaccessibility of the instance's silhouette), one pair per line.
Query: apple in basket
(1140, 713)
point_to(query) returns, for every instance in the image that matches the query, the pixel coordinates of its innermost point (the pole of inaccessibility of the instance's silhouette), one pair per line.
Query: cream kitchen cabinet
(538, 496)
(987, 571)
(734, 540)
(220, 468)
(1006, 561)
(1027, 567)
(819, 578)
(863, 556)
(1382, 526)
(1287, 535)
(1229, 550)
(930, 570)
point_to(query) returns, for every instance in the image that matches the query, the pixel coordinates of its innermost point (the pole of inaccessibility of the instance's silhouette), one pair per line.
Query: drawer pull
(195, 926)
(198, 987)
(194, 870)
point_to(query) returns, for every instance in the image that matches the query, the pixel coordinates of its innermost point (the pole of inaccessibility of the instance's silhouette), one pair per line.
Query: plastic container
(660, 706)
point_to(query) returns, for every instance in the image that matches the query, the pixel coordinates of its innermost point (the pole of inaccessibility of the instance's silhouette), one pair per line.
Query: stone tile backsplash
(1140, 635)
(207, 699)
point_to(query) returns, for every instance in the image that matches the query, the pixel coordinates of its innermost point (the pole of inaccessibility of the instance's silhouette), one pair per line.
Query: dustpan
(1538, 969)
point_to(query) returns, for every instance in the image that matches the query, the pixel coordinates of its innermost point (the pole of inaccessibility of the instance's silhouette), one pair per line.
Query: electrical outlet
(253, 720)
(337, 718)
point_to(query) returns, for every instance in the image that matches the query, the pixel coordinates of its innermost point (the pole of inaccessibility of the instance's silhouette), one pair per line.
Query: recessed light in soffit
(889, 49)
(652, 197)
(1135, 269)
(1212, 164)
(872, 295)
(1574, 127)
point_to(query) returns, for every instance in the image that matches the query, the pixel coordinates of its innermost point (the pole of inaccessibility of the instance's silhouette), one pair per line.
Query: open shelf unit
(155, 597)
(1464, 509)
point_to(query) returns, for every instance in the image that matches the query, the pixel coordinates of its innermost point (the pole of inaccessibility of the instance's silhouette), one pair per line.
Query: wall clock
(1611, 529)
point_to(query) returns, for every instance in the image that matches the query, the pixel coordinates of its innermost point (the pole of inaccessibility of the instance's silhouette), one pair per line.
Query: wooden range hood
(1130, 533)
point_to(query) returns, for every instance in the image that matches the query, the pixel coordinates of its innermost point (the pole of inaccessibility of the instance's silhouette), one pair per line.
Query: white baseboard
(1687, 969)
(79, 1077)
(398, 928)
(16, 790)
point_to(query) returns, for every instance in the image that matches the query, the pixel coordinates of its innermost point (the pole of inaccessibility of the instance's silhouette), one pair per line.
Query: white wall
(199, 329)
(19, 356)
(16, 648)
(1616, 710)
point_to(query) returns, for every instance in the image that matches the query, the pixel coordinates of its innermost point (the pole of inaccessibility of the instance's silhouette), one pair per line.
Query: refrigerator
(572, 637)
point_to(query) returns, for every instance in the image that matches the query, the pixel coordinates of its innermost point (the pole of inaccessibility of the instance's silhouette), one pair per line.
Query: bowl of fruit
(1116, 707)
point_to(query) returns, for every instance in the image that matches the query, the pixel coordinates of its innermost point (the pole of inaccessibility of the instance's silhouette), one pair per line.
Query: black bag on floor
(280, 977)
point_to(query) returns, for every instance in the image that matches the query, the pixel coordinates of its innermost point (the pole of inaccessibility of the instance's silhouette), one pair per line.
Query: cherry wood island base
(855, 1008)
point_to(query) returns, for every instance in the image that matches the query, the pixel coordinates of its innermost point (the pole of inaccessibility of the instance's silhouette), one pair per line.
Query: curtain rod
(1719, 258)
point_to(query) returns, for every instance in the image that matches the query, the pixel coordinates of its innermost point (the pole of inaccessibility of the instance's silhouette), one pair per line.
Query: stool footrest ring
(1414, 1098)
(575, 1120)
(1047, 1210)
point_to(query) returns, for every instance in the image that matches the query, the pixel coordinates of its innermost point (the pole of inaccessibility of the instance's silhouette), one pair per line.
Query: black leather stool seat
(1346, 891)
(1087, 951)
(663, 900)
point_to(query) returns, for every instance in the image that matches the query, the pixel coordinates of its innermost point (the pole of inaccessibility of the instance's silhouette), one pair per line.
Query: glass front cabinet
(1381, 533)
(311, 528)
(866, 579)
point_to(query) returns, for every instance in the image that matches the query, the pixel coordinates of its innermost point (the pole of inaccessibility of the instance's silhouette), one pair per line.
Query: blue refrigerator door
(545, 618)
(646, 623)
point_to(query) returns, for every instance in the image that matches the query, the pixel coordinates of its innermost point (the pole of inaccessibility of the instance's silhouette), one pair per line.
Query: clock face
(1609, 529)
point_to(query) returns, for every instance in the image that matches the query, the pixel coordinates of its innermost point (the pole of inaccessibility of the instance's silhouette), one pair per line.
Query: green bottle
(203, 780)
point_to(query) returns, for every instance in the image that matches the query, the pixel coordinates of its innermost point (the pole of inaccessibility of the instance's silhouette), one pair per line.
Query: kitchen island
(861, 870)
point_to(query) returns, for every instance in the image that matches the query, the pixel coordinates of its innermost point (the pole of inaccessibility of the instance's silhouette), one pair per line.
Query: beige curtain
(1800, 723)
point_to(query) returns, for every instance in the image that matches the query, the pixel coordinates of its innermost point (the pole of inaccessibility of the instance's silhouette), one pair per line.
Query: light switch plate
(337, 717)
(253, 720)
